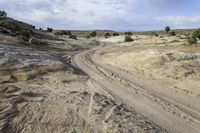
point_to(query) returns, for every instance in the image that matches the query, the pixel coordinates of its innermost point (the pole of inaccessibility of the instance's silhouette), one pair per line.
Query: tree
(93, 34)
(167, 29)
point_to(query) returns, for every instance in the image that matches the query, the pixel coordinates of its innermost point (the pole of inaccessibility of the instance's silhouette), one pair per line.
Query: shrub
(192, 40)
(33, 26)
(88, 36)
(73, 37)
(172, 33)
(26, 35)
(3, 14)
(129, 33)
(49, 29)
(128, 39)
(196, 34)
(68, 33)
(11, 25)
(93, 34)
(107, 35)
(115, 34)
(167, 29)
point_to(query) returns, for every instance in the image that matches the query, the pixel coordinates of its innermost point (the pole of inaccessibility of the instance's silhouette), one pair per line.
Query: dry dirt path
(169, 109)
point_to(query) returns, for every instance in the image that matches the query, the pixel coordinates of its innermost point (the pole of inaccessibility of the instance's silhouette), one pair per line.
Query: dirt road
(167, 108)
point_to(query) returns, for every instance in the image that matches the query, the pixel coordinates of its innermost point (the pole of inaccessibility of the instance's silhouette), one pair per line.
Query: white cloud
(179, 20)
(93, 14)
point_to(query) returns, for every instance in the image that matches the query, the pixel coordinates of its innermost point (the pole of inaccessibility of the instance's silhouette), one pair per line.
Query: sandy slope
(41, 91)
(172, 62)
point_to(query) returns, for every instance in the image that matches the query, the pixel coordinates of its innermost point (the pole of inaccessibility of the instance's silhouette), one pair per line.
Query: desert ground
(52, 83)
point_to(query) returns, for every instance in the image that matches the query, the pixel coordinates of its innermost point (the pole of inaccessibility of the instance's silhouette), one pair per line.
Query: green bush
(129, 33)
(128, 39)
(192, 40)
(196, 34)
(167, 29)
(115, 34)
(93, 34)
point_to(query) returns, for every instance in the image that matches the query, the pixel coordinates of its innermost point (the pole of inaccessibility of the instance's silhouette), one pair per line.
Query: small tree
(128, 39)
(49, 29)
(33, 26)
(3, 14)
(167, 29)
(93, 34)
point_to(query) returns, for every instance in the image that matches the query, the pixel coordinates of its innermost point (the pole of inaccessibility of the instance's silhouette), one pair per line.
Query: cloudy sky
(118, 15)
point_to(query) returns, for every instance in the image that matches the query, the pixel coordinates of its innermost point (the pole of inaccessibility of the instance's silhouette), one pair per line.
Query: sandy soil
(174, 63)
(41, 91)
(113, 87)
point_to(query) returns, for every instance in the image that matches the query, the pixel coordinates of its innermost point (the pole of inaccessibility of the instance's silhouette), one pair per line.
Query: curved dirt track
(171, 110)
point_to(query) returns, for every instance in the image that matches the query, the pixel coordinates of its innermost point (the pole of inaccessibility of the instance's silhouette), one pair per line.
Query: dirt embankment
(167, 59)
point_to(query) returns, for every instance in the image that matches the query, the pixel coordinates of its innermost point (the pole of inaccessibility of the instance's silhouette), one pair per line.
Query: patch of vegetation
(115, 34)
(128, 39)
(3, 14)
(192, 40)
(49, 29)
(107, 35)
(155, 34)
(67, 33)
(73, 37)
(11, 25)
(88, 36)
(128, 33)
(93, 34)
(26, 35)
(172, 33)
(167, 29)
(196, 34)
